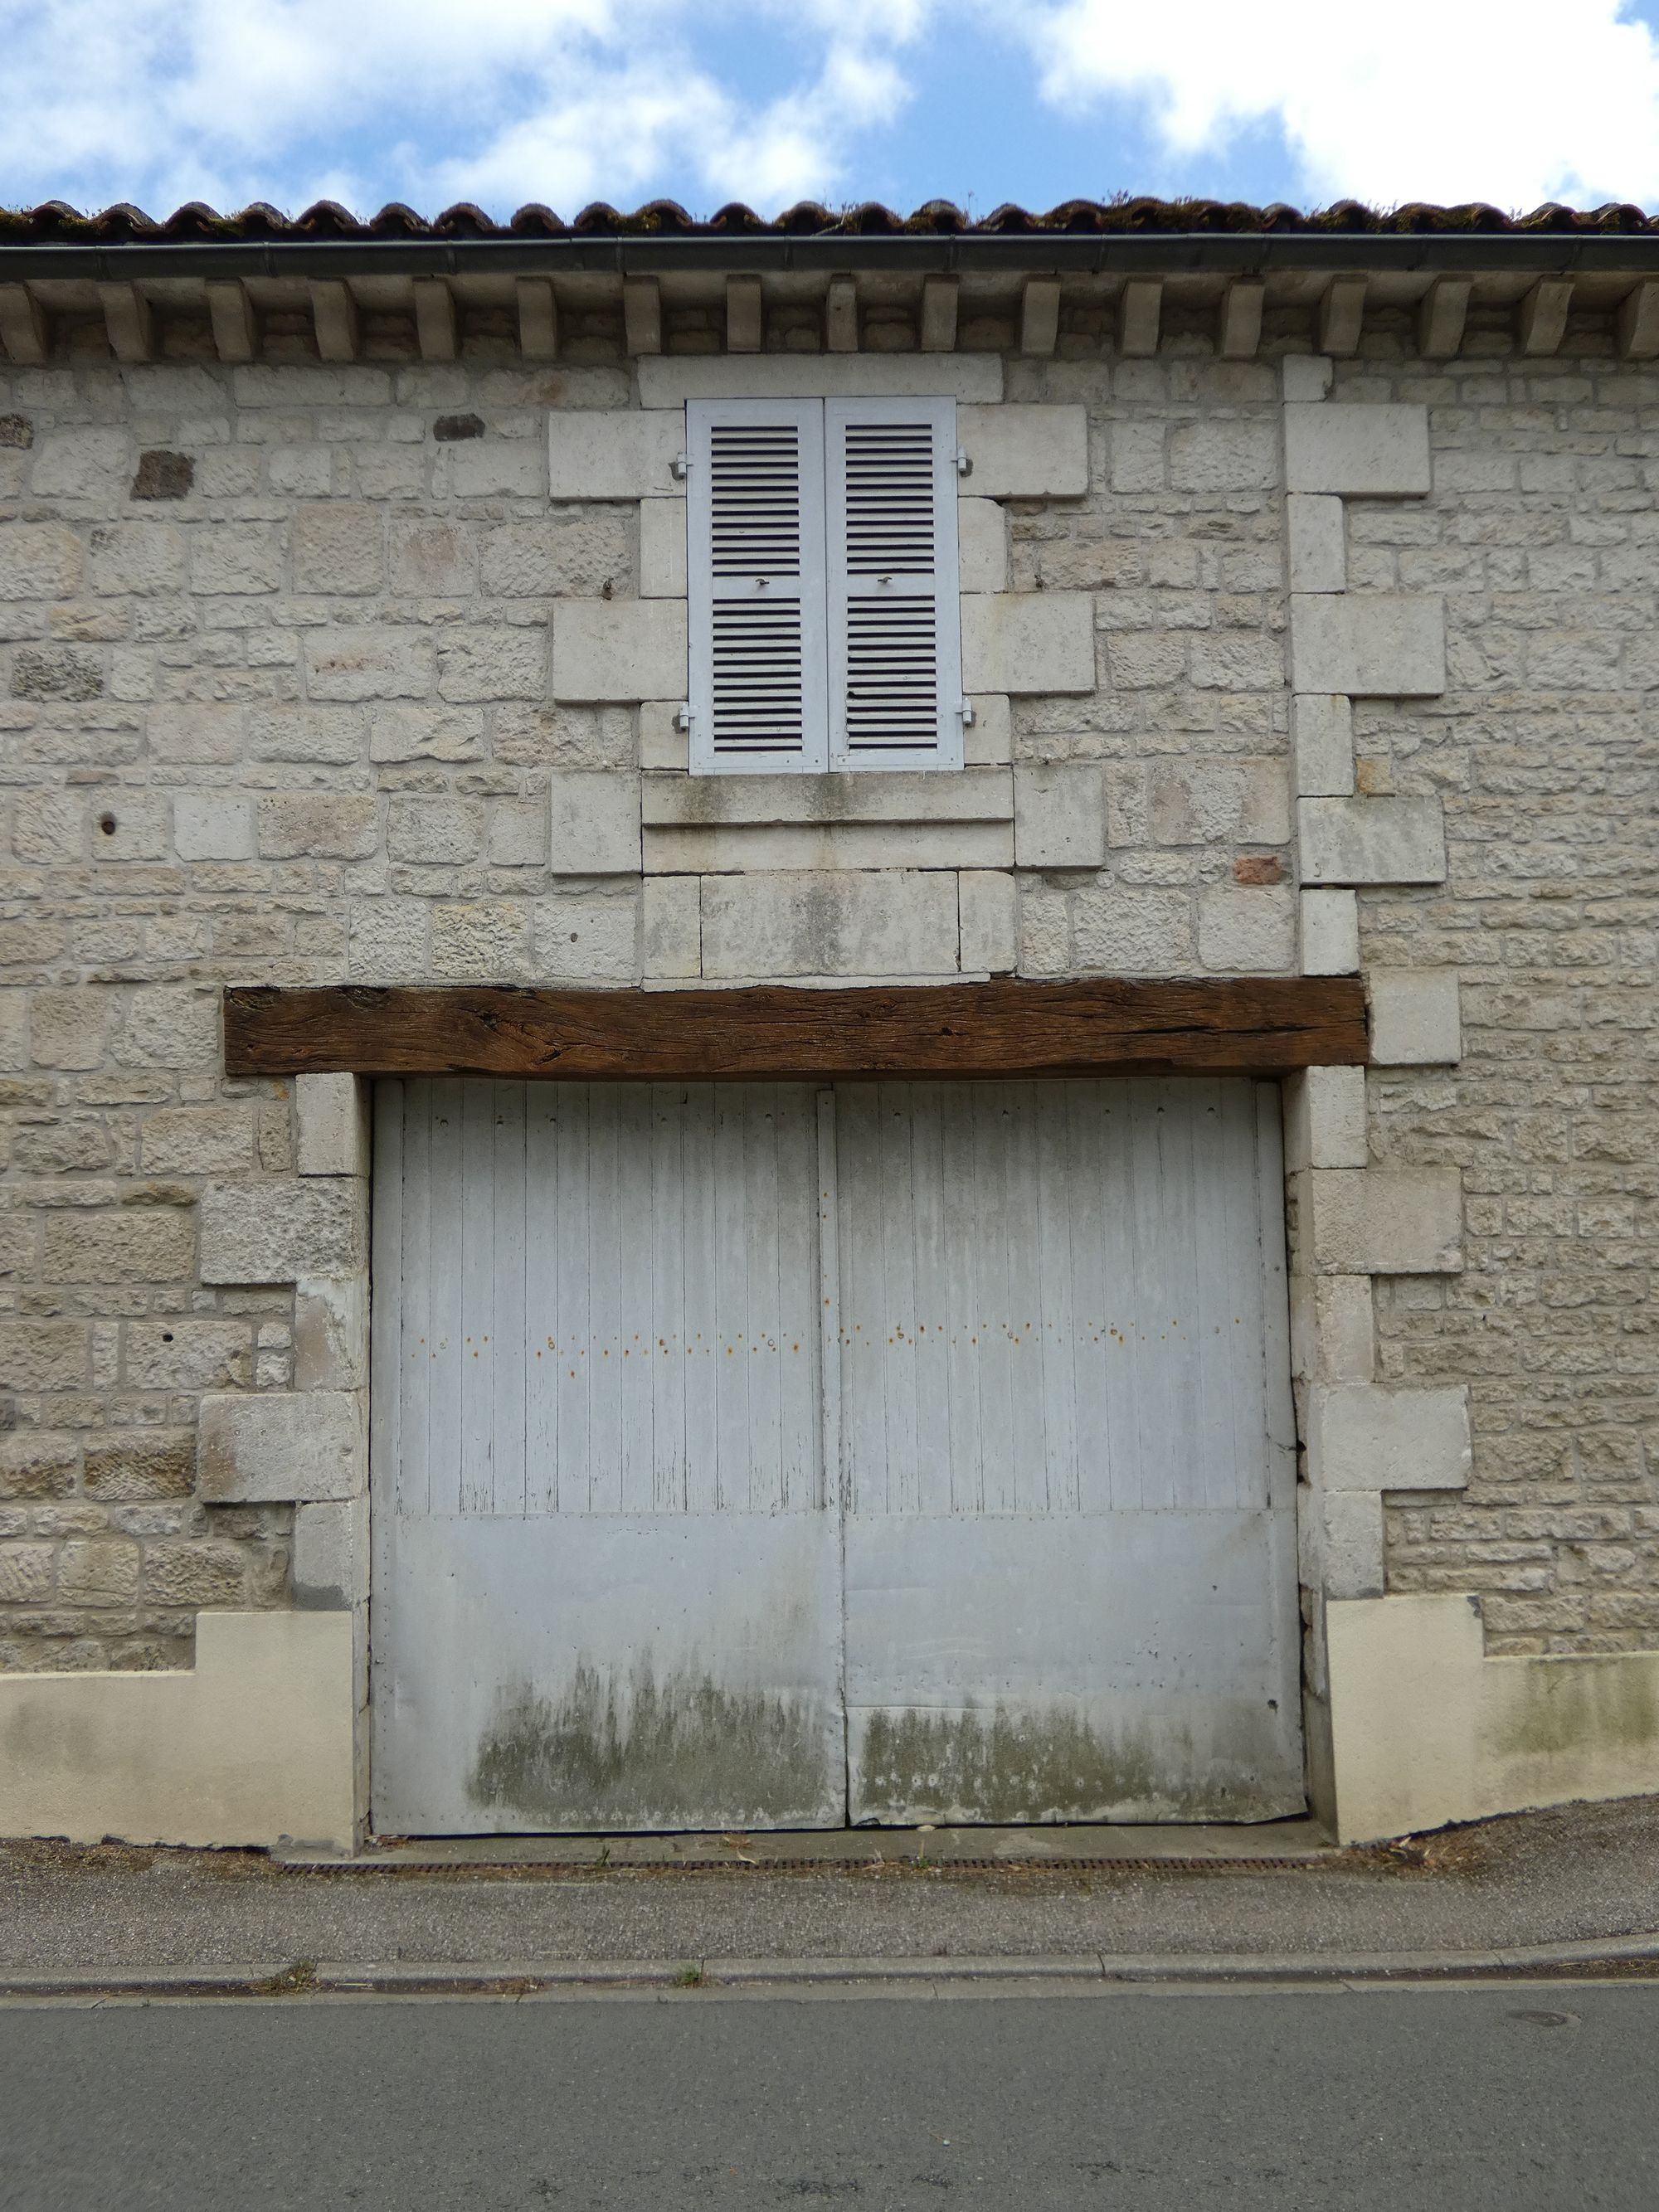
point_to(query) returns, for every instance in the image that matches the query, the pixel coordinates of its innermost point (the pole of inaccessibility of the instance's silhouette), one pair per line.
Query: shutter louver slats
(755, 516)
(895, 622)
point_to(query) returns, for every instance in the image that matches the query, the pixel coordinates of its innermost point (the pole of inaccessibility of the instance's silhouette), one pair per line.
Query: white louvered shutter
(755, 586)
(894, 622)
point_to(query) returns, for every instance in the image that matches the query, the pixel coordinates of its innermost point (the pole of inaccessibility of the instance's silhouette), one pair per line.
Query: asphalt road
(1512, 2096)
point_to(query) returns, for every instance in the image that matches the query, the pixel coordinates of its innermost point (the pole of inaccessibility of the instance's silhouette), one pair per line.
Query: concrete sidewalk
(1535, 1892)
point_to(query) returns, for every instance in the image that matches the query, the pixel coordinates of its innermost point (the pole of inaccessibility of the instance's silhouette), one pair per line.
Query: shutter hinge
(966, 711)
(964, 463)
(682, 466)
(683, 717)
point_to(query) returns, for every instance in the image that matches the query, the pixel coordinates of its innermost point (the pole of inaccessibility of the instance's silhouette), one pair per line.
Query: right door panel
(1068, 1457)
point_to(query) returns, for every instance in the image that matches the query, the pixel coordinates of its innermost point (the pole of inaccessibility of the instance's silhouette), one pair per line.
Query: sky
(772, 101)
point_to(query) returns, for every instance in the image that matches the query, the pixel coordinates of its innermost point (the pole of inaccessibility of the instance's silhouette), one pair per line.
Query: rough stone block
(595, 822)
(989, 910)
(38, 561)
(369, 663)
(1305, 377)
(662, 550)
(330, 1115)
(331, 1555)
(620, 649)
(1332, 1328)
(1222, 454)
(672, 379)
(672, 922)
(330, 1333)
(212, 825)
(489, 662)
(1365, 1437)
(43, 1355)
(274, 1447)
(1322, 745)
(1247, 932)
(603, 454)
(1384, 1221)
(1362, 451)
(337, 546)
(587, 940)
(1371, 841)
(1325, 1118)
(426, 734)
(318, 825)
(1317, 538)
(1415, 1018)
(1330, 932)
(1028, 643)
(277, 1229)
(128, 1465)
(807, 924)
(1378, 644)
(1059, 816)
(1025, 453)
(1125, 931)
(981, 545)
(37, 1463)
(142, 1244)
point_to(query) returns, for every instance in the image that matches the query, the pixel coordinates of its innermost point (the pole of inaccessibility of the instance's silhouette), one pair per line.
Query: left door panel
(607, 1567)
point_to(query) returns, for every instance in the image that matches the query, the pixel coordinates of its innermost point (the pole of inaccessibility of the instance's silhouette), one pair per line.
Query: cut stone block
(1362, 451)
(211, 826)
(1384, 645)
(672, 927)
(1371, 841)
(1059, 816)
(1325, 1119)
(620, 650)
(1305, 377)
(1025, 453)
(331, 1113)
(1365, 1437)
(330, 1333)
(990, 922)
(1028, 643)
(1330, 934)
(1384, 1221)
(331, 1555)
(1247, 932)
(274, 1447)
(594, 821)
(754, 801)
(982, 545)
(1415, 1018)
(1340, 1542)
(807, 924)
(1317, 542)
(1322, 745)
(602, 454)
(988, 740)
(662, 549)
(1332, 1328)
(663, 743)
(277, 1229)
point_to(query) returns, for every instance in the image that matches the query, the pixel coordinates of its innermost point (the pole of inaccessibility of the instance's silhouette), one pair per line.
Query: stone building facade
(1308, 620)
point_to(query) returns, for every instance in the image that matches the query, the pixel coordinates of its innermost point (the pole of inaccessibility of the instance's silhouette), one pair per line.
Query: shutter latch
(964, 463)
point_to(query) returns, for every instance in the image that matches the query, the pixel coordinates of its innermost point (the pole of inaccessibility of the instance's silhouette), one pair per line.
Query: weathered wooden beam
(1240, 332)
(1039, 317)
(1342, 315)
(435, 325)
(23, 325)
(641, 315)
(1441, 314)
(129, 322)
(1541, 322)
(1251, 1025)
(538, 319)
(744, 315)
(840, 315)
(1140, 317)
(334, 316)
(230, 311)
(938, 314)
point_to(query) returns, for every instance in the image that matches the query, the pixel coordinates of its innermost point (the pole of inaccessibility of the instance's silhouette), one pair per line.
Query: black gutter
(1162, 253)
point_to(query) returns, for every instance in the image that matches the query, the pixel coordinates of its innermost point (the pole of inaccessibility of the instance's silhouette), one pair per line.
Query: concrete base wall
(251, 1745)
(1427, 1730)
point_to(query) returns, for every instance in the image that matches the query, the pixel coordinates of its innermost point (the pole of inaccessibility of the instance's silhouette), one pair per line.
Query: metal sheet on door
(1036, 1332)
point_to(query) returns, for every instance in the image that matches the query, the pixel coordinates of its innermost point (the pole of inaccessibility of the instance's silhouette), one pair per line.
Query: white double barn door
(754, 1455)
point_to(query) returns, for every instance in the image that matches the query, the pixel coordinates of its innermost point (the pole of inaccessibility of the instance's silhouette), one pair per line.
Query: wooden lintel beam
(1249, 1025)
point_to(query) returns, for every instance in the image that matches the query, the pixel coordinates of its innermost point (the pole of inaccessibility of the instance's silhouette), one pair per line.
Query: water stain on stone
(681, 1752)
(1564, 1705)
(1008, 1766)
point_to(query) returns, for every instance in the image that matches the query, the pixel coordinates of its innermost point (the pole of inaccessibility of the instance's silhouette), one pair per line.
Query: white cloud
(499, 100)
(1512, 101)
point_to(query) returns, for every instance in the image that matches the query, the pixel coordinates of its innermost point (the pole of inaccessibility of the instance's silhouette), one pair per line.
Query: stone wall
(306, 677)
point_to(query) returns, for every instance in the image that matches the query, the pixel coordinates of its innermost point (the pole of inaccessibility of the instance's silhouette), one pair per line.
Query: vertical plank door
(1068, 1453)
(606, 1571)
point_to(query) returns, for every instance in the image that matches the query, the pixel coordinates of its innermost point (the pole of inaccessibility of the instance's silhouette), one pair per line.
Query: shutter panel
(895, 622)
(755, 586)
